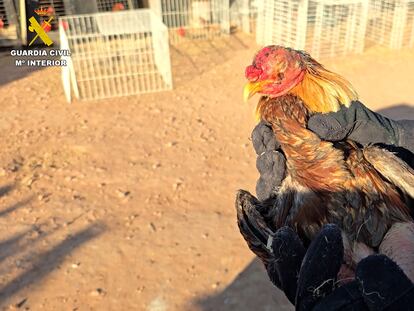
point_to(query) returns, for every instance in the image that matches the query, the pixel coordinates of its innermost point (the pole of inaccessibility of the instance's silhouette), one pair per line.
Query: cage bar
(324, 28)
(93, 6)
(111, 5)
(116, 54)
(243, 15)
(193, 19)
(8, 23)
(70, 7)
(56, 8)
(391, 23)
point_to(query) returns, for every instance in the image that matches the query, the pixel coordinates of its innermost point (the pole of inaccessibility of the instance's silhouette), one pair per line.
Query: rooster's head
(278, 70)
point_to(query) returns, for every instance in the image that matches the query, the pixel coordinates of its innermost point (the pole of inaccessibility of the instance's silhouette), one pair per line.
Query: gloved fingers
(345, 297)
(327, 127)
(288, 253)
(270, 163)
(384, 285)
(364, 126)
(263, 138)
(317, 277)
(272, 168)
(252, 225)
(365, 132)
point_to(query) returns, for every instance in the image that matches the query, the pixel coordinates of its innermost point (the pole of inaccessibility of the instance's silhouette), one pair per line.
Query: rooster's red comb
(282, 65)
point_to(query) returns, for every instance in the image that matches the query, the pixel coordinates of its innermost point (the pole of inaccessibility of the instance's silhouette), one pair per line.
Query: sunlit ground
(127, 203)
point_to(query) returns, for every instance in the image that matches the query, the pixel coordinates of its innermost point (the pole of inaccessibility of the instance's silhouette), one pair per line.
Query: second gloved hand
(270, 161)
(357, 123)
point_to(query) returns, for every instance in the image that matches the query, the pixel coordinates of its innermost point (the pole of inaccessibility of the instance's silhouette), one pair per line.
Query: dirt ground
(128, 203)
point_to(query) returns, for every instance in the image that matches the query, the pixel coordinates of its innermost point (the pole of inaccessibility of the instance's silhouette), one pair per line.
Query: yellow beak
(251, 88)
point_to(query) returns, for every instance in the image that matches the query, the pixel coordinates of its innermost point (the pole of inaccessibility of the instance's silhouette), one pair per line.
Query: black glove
(270, 162)
(357, 123)
(379, 283)
(362, 125)
(309, 278)
(283, 253)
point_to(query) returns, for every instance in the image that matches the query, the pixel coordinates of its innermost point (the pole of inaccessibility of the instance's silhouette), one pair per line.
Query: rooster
(365, 191)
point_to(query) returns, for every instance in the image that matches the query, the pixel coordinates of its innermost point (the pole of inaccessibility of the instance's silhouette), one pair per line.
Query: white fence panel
(391, 23)
(193, 19)
(243, 15)
(113, 58)
(324, 28)
(114, 5)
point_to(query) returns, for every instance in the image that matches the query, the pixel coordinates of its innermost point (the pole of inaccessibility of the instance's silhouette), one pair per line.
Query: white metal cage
(8, 23)
(58, 8)
(115, 54)
(324, 28)
(193, 19)
(243, 15)
(114, 5)
(69, 7)
(391, 23)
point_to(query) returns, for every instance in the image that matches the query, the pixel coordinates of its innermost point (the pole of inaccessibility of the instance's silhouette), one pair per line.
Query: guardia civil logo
(41, 30)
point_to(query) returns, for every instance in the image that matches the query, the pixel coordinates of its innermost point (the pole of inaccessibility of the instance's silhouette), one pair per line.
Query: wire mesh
(8, 23)
(67, 7)
(324, 28)
(193, 19)
(113, 5)
(391, 23)
(57, 8)
(243, 15)
(117, 53)
(408, 33)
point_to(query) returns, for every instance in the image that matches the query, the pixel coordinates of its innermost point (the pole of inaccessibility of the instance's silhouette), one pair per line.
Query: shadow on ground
(250, 290)
(44, 263)
(15, 206)
(4, 191)
(21, 264)
(9, 71)
(398, 112)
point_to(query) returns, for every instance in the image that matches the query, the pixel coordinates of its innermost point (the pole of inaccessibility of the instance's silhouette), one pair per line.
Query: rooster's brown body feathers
(360, 189)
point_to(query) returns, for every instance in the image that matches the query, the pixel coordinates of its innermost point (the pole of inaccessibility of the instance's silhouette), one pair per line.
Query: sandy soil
(127, 204)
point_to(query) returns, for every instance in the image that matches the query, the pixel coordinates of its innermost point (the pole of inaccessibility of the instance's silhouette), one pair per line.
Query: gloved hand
(357, 123)
(379, 284)
(284, 255)
(309, 278)
(366, 127)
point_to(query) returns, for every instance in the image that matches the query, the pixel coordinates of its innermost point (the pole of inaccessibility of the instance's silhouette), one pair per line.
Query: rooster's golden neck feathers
(322, 90)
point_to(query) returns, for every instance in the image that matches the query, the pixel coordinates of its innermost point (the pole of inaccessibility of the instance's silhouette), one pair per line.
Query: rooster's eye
(280, 75)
